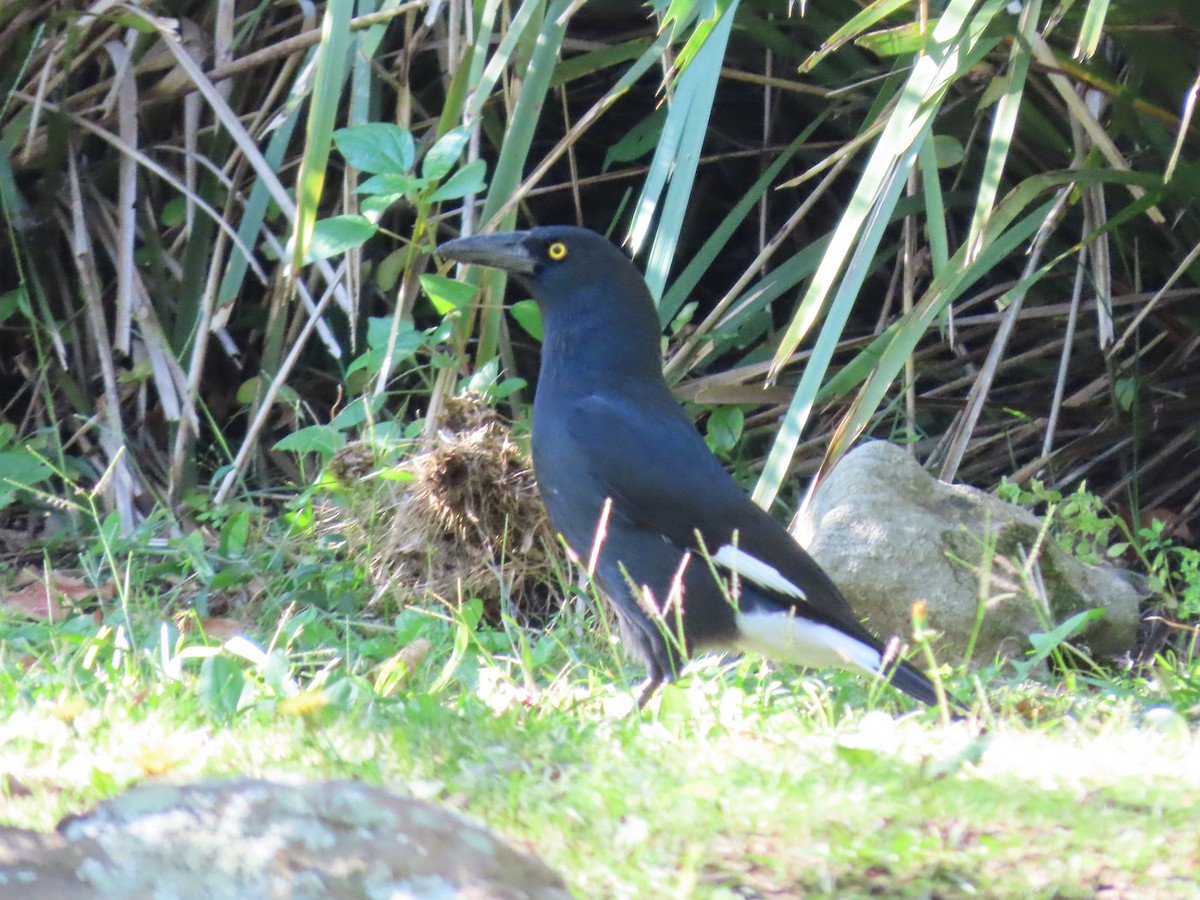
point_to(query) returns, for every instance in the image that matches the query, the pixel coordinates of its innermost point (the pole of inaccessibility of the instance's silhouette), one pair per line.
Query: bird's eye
(557, 251)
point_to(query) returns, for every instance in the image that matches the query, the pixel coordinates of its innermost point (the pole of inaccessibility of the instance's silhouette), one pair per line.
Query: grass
(739, 781)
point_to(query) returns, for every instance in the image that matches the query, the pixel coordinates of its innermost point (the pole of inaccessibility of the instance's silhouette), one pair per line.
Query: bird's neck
(602, 343)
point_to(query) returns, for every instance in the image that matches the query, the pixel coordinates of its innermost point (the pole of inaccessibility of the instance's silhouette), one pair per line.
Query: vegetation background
(228, 360)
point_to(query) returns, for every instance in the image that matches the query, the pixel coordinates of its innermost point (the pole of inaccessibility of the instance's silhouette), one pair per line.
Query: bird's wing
(651, 461)
(661, 475)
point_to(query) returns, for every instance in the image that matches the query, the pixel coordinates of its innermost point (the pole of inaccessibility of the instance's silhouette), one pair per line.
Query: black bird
(687, 560)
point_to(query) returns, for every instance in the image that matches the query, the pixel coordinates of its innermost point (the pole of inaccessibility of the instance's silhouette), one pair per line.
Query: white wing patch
(790, 638)
(752, 569)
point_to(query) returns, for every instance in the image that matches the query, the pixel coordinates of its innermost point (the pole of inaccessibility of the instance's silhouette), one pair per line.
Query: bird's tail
(908, 679)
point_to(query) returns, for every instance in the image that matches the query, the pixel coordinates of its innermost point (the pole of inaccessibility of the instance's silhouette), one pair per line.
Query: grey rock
(889, 534)
(257, 839)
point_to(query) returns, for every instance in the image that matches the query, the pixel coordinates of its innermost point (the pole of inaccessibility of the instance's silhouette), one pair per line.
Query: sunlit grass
(740, 777)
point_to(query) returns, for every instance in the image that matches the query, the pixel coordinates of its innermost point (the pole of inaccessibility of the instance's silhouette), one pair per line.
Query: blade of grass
(867, 18)
(1003, 125)
(716, 242)
(322, 113)
(1007, 230)
(958, 41)
(692, 106)
(514, 154)
(1092, 29)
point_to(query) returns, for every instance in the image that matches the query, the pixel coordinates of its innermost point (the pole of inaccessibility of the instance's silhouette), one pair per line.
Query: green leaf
(377, 204)
(1045, 644)
(390, 185)
(467, 180)
(716, 13)
(677, 156)
(868, 18)
(673, 703)
(379, 329)
(445, 153)
(377, 147)
(894, 41)
(11, 301)
(684, 317)
(387, 273)
(514, 160)
(278, 672)
(948, 150)
(507, 388)
(594, 61)
(320, 439)
(638, 141)
(529, 317)
(1092, 29)
(101, 782)
(173, 213)
(1125, 391)
(235, 534)
(724, 428)
(958, 41)
(720, 236)
(446, 294)
(858, 757)
(258, 205)
(339, 234)
(357, 412)
(397, 474)
(220, 687)
(1004, 124)
(143, 370)
(483, 379)
(22, 469)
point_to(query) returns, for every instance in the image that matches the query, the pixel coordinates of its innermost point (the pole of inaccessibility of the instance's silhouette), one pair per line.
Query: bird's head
(596, 309)
(564, 265)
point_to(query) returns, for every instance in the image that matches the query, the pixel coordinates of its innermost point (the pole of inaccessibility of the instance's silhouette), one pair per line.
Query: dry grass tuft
(470, 523)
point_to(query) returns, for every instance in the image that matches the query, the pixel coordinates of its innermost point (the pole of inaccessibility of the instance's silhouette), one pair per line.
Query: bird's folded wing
(662, 477)
(652, 462)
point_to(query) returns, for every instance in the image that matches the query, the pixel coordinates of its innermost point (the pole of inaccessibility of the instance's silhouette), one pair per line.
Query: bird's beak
(502, 250)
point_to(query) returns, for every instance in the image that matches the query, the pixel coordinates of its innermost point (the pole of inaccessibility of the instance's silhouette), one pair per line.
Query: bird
(687, 561)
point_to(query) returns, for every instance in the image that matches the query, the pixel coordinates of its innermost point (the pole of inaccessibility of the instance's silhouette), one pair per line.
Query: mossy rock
(890, 535)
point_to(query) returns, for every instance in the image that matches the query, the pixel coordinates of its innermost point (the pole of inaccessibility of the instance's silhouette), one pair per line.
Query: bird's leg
(647, 689)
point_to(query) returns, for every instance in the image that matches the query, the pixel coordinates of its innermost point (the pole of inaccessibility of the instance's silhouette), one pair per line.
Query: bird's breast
(573, 499)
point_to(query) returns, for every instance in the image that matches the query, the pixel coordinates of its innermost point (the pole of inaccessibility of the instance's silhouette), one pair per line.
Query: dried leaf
(221, 629)
(46, 597)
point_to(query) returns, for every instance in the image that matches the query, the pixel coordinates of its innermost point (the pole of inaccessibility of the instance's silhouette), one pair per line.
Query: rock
(256, 839)
(889, 534)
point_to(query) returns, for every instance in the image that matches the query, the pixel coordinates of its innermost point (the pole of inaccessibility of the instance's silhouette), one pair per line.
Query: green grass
(742, 780)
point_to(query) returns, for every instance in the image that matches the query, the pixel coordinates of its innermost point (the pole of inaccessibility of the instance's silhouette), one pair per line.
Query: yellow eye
(557, 251)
